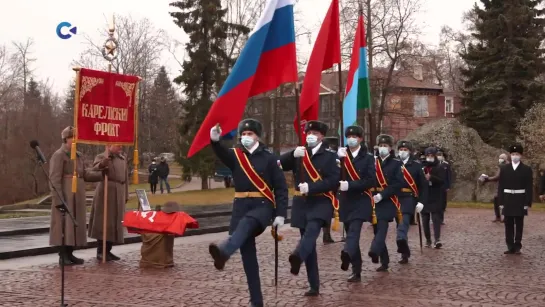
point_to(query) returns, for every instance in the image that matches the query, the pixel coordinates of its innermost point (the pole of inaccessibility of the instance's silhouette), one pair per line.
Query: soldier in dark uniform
(515, 195)
(332, 143)
(435, 174)
(502, 160)
(441, 156)
(413, 196)
(383, 197)
(311, 208)
(356, 198)
(252, 211)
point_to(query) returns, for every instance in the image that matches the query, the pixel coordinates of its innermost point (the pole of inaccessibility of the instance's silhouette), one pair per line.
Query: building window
(449, 105)
(324, 104)
(421, 106)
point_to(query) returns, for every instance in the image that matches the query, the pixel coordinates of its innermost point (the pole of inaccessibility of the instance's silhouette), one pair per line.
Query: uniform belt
(298, 193)
(514, 191)
(70, 176)
(116, 181)
(381, 189)
(248, 194)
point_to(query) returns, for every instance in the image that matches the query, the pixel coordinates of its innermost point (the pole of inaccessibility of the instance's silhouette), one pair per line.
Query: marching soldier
(356, 203)
(115, 166)
(385, 199)
(413, 196)
(316, 175)
(503, 159)
(261, 194)
(441, 157)
(435, 174)
(515, 195)
(61, 169)
(333, 144)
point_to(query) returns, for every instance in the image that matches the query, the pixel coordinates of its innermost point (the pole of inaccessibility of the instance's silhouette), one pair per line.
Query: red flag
(326, 53)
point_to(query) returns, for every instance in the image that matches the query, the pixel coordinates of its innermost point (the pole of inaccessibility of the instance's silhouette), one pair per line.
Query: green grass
(12, 215)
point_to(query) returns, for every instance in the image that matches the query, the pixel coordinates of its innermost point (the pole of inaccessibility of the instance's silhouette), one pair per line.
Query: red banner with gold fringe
(105, 107)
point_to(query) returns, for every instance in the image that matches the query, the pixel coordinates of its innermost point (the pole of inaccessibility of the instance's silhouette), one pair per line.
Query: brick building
(411, 102)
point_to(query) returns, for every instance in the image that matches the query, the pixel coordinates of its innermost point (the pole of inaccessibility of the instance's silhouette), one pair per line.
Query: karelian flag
(267, 60)
(326, 53)
(357, 85)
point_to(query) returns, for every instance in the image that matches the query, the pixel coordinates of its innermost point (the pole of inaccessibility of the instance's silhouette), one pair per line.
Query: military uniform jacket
(448, 174)
(407, 199)
(355, 203)
(436, 187)
(314, 205)
(266, 165)
(515, 189)
(391, 168)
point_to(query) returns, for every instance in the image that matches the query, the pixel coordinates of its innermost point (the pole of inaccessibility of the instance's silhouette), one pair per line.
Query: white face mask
(312, 140)
(247, 141)
(515, 158)
(403, 154)
(352, 142)
(430, 159)
(383, 151)
(501, 161)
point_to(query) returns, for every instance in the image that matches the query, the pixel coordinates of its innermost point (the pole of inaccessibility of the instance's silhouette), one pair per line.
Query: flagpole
(299, 130)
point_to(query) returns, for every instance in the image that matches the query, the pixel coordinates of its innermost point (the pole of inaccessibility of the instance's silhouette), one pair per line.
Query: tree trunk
(204, 182)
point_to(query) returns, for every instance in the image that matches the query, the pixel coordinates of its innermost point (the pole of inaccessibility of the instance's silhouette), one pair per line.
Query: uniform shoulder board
(417, 161)
(396, 159)
(269, 150)
(279, 164)
(330, 150)
(370, 154)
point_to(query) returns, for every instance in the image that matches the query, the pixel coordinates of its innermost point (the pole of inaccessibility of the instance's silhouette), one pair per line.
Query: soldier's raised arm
(225, 155)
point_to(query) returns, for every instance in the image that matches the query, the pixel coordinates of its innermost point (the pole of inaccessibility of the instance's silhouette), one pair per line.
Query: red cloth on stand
(158, 222)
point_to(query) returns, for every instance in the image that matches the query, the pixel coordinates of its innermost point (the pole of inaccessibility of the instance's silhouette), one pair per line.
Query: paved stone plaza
(471, 270)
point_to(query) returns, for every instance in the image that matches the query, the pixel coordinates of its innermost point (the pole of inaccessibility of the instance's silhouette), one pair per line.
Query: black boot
(70, 254)
(109, 252)
(355, 277)
(64, 259)
(312, 292)
(327, 235)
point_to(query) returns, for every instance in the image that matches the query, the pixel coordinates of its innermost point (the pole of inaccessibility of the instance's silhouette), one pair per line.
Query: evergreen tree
(68, 105)
(164, 113)
(203, 73)
(503, 65)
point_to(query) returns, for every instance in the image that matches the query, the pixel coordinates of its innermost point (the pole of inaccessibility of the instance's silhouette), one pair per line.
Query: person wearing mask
(316, 181)
(515, 195)
(61, 170)
(115, 166)
(503, 159)
(332, 143)
(441, 157)
(385, 199)
(254, 205)
(435, 174)
(153, 176)
(356, 199)
(163, 171)
(413, 196)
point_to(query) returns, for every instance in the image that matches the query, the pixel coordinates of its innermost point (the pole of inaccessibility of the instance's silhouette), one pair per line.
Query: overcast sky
(38, 19)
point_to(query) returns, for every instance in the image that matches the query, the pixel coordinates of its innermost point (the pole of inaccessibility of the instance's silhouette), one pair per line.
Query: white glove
(526, 207)
(341, 152)
(215, 134)
(303, 188)
(419, 207)
(377, 198)
(344, 185)
(501, 209)
(278, 221)
(299, 152)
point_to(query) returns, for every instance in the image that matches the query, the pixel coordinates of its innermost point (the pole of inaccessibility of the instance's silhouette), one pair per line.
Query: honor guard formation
(352, 185)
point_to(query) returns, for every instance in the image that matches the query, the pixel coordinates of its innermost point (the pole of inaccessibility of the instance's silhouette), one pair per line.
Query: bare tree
(25, 57)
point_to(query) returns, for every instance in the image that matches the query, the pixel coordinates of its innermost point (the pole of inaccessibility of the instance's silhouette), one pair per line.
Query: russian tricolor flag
(357, 86)
(267, 61)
